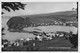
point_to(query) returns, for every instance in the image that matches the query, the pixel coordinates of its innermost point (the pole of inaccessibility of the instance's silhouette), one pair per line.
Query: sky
(42, 7)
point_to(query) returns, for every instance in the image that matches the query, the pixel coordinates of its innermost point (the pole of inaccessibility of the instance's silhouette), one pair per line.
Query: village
(40, 37)
(69, 23)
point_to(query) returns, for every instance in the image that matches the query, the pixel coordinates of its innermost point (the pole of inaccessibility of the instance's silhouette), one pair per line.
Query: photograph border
(44, 1)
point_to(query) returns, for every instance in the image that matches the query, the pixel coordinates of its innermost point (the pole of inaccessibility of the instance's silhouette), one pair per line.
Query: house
(51, 34)
(34, 44)
(28, 39)
(41, 24)
(64, 24)
(56, 23)
(56, 35)
(71, 24)
(61, 35)
(49, 38)
(60, 23)
(19, 42)
(46, 24)
(39, 38)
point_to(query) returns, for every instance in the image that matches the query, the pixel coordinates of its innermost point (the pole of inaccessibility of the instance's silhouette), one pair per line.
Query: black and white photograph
(39, 26)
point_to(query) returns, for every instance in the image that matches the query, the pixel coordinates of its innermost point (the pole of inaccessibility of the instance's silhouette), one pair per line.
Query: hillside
(50, 17)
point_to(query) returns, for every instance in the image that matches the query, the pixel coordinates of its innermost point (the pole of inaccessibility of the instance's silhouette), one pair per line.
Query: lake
(53, 28)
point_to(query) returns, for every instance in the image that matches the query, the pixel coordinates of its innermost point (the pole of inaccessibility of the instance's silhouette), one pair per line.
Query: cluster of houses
(69, 23)
(39, 36)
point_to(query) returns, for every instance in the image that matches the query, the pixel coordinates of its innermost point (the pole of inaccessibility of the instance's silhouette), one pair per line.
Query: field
(58, 44)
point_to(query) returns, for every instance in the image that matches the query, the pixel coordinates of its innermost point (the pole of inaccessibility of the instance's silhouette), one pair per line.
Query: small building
(60, 22)
(28, 39)
(19, 42)
(56, 23)
(71, 24)
(64, 24)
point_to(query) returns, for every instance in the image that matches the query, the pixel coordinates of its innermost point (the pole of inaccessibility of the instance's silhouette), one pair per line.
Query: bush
(74, 40)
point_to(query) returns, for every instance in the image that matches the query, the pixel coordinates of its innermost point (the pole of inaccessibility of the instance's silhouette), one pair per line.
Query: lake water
(53, 28)
(11, 36)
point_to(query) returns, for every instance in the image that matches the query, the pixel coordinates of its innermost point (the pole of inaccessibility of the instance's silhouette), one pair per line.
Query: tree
(2, 31)
(77, 11)
(16, 23)
(74, 40)
(27, 21)
(73, 9)
(12, 5)
(4, 40)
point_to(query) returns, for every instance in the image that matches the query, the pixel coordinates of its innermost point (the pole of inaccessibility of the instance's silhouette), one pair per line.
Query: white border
(43, 1)
(39, 0)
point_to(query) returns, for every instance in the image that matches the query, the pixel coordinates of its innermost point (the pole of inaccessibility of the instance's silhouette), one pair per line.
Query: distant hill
(50, 17)
(56, 13)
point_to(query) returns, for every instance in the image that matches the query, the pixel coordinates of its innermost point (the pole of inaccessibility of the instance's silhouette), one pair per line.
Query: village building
(28, 39)
(19, 42)
(56, 23)
(39, 38)
(41, 24)
(60, 23)
(64, 24)
(71, 24)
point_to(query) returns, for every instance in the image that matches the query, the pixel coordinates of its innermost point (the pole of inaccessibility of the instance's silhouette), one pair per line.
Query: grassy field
(57, 44)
